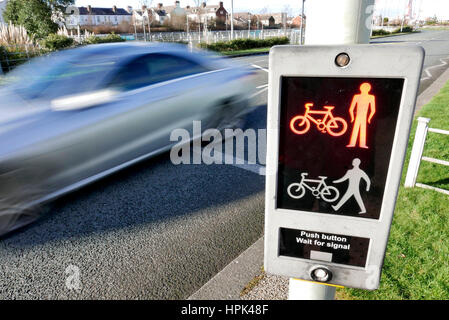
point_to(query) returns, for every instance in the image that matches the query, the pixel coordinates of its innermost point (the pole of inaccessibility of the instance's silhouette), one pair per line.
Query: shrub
(57, 42)
(408, 29)
(244, 44)
(14, 35)
(381, 32)
(107, 39)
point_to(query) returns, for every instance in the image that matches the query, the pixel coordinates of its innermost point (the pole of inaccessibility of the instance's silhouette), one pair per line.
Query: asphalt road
(436, 45)
(155, 230)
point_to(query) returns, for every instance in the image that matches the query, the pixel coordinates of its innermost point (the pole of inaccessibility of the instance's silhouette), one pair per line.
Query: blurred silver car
(78, 115)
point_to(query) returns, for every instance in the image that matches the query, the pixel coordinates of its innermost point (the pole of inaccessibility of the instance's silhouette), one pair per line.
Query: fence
(208, 37)
(417, 155)
(12, 56)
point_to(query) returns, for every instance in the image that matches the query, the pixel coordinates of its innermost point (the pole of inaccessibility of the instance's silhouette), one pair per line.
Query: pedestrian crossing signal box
(338, 123)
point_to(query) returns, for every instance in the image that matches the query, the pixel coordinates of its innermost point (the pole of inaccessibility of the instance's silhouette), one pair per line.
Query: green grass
(248, 51)
(393, 34)
(417, 260)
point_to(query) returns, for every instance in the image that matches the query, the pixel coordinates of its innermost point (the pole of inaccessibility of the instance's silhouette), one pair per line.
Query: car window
(154, 68)
(66, 74)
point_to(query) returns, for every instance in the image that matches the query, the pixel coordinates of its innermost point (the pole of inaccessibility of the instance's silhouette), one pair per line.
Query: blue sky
(390, 8)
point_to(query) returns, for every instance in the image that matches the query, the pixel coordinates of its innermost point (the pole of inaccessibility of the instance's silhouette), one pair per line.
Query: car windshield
(54, 76)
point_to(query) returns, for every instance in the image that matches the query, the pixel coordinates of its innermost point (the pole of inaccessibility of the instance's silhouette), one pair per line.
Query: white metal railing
(209, 37)
(417, 155)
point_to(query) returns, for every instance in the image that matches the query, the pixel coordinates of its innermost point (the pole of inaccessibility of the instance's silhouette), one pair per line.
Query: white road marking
(257, 61)
(262, 86)
(427, 70)
(259, 67)
(258, 92)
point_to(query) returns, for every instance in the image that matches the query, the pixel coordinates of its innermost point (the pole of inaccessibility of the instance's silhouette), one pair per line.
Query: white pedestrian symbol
(354, 175)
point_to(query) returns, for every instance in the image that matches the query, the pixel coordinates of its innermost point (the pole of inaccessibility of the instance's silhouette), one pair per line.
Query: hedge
(107, 39)
(57, 42)
(244, 44)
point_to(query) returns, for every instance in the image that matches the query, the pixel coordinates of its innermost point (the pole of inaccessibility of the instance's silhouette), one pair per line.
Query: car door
(159, 92)
(156, 94)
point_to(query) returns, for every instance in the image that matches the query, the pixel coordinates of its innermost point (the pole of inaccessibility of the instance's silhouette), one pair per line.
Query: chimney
(114, 9)
(89, 8)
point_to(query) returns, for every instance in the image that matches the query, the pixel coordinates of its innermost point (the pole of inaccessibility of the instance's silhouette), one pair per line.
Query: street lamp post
(301, 40)
(249, 24)
(232, 19)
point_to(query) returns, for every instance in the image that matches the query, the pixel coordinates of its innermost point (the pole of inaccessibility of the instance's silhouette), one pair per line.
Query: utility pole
(331, 22)
(301, 41)
(143, 27)
(339, 22)
(232, 19)
(249, 23)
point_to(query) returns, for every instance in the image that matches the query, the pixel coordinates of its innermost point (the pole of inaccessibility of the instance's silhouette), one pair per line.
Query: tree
(34, 15)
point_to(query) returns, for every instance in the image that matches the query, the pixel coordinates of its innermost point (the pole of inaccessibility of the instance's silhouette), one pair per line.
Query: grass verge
(394, 34)
(416, 265)
(248, 51)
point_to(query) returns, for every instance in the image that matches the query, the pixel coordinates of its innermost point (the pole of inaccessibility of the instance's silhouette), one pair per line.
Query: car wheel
(19, 196)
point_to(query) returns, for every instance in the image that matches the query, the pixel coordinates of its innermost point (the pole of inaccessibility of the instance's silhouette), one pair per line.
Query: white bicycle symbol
(297, 190)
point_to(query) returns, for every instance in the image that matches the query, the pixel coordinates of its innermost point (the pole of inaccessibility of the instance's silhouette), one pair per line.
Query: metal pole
(417, 151)
(232, 19)
(249, 24)
(339, 22)
(306, 290)
(332, 22)
(301, 41)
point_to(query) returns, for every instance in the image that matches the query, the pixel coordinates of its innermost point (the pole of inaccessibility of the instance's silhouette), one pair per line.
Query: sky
(391, 8)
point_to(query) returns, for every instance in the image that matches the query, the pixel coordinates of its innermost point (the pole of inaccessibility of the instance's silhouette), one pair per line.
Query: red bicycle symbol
(335, 126)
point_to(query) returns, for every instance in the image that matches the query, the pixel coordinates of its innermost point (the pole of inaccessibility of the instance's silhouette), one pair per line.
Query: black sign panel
(335, 141)
(326, 247)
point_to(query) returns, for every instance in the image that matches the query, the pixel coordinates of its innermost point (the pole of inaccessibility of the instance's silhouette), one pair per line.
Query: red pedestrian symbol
(362, 104)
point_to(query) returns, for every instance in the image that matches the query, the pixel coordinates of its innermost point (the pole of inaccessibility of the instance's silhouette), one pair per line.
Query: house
(221, 13)
(90, 16)
(242, 18)
(177, 15)
(296, 22)
(271, 19)
(206, 12)
(3, 4)
(158, 14)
